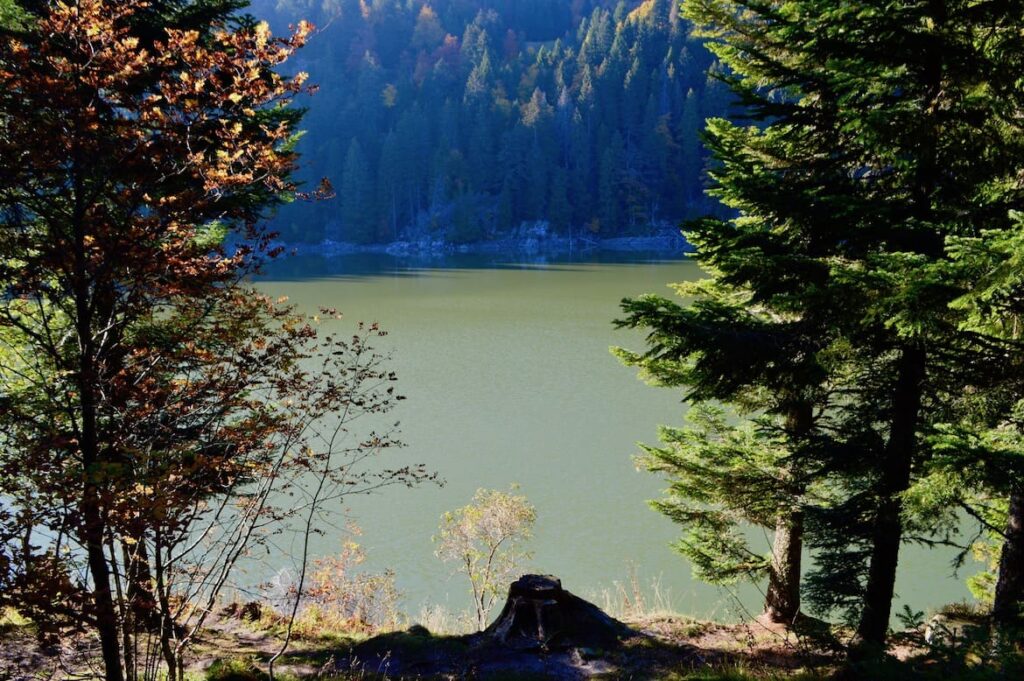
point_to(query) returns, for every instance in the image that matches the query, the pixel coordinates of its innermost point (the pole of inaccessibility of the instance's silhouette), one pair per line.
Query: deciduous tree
(151, 406)
(484, 540)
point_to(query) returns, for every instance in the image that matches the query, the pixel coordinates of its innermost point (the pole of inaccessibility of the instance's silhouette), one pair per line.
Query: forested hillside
(462, 119)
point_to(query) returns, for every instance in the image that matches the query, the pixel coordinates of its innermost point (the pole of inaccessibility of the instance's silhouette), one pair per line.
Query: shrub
(483, 539)
(338, 598)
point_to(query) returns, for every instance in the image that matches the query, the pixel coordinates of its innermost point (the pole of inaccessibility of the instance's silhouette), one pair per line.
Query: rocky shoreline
(667, 244)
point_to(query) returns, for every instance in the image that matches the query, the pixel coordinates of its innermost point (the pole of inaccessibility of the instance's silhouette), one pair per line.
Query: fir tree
(870, 150)
(355, 195)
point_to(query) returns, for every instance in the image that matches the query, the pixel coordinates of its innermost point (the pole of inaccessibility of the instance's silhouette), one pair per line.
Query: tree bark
(888, 526)
(93, 535)
(103, 599)
(782, 601)
(94, 525)
(1009, 599)
(139, 590)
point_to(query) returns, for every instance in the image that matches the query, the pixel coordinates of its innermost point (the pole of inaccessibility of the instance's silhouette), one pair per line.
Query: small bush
(483, 539)
(339, 599)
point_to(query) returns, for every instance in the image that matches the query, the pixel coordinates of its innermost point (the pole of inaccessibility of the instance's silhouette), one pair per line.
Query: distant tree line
(462, 119)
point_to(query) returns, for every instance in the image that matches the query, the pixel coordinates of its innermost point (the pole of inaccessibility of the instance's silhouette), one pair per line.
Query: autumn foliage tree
(484, 541)
(153, 408)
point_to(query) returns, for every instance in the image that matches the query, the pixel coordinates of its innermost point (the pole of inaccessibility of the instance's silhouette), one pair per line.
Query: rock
(540, 615)
(418, 630)
(949, 630)
(250, 611)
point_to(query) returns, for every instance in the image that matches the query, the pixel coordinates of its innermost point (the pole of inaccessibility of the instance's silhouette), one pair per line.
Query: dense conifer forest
(460, 120)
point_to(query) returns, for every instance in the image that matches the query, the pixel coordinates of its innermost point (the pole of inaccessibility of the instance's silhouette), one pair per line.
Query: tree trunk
(94, 523)
(895, 478)
(103, 600)
(1010, 587)
(540, 615)
(782, 602)
(126, 621)
(139, 581)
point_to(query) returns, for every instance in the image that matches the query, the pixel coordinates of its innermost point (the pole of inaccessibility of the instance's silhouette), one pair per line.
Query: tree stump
(540, 615)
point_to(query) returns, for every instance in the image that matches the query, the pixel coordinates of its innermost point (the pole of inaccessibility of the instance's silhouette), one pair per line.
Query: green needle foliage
(862, 298)
(773, 367)
(720, 476)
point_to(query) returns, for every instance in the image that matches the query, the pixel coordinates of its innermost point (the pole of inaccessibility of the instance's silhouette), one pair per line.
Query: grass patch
(966, 612)
(12, 621)
(235, 669)
(740, 673)
(241, 669)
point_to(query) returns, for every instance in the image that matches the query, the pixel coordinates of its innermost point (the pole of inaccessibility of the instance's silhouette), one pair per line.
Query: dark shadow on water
(356, 266)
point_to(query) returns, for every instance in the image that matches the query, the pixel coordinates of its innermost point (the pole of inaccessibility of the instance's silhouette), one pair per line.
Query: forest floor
(668, 647)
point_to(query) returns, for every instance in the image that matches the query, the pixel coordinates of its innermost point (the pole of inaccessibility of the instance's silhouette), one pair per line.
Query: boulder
(540, 615)
(952, 631)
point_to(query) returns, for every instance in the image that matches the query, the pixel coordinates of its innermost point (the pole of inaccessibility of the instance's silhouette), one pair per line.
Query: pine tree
(723, 479)
(559, 210)
(992, 425)
(609, 184)
(356, 195)
(755, 349)
(428, 32)
(478, 85)
(836, 274)
(690, 160)
(388, 188)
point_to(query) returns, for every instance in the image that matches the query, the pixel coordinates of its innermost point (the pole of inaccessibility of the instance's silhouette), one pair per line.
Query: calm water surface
(509, 381)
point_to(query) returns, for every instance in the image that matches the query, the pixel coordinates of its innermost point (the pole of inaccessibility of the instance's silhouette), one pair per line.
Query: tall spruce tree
(355, 196)
(758, 351)
(990, 427)
(877, 139)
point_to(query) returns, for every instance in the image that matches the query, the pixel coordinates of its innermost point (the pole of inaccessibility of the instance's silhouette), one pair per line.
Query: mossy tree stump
(540, 615)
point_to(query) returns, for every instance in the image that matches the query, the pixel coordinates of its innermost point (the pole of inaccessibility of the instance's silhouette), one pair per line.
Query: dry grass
(630, 600)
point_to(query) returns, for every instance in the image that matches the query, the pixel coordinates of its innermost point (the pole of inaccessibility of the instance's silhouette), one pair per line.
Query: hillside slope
(462, 119)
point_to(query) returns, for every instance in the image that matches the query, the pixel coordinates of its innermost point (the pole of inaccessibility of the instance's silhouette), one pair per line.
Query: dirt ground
(659, 647)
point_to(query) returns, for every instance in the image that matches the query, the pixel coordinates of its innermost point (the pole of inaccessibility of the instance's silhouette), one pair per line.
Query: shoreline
(531, 246)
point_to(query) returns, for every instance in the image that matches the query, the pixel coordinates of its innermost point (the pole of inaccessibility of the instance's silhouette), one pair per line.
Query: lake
(509, 380)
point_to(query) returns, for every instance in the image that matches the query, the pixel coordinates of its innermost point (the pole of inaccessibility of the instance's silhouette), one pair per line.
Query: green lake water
(509, 379)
